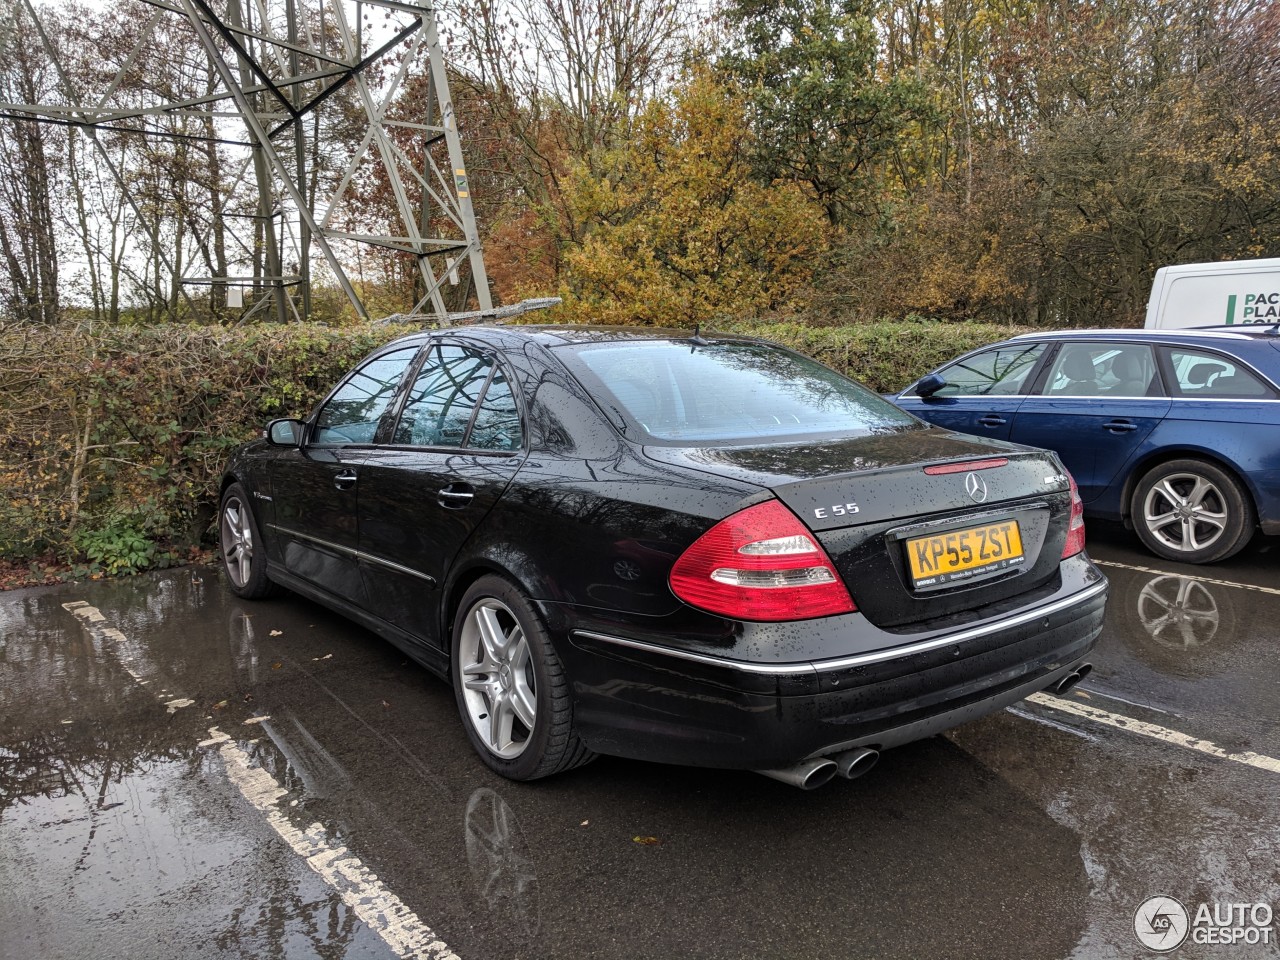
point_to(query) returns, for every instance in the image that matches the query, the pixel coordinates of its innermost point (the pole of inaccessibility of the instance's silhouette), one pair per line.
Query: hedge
(113, 440)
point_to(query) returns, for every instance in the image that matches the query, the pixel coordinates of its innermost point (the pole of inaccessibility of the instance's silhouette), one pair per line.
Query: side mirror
(284, 433)
(930, 385)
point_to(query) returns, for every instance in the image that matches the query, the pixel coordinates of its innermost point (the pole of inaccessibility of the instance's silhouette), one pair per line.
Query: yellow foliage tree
(685, 235)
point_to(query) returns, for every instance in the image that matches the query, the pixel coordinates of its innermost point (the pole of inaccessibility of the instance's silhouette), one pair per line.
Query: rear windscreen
(677, 391)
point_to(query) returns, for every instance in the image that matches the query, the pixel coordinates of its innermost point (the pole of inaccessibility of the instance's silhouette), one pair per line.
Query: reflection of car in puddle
(1182, 613)
(500, 865)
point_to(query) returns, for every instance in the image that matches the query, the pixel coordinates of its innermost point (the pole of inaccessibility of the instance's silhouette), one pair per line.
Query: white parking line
(1190, 576)
(1163, 734)
(360, 889)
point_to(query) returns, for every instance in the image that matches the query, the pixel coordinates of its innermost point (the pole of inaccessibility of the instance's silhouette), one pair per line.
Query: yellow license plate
(943, 558)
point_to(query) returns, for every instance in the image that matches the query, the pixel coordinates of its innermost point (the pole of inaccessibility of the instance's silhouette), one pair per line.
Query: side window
(443, 397)
(1001, 372)
(497, 423)
(1200, 374)
(1102, 369)
(353, 412)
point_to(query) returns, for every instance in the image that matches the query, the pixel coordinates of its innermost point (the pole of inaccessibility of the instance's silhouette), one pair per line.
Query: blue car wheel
(1192, 511)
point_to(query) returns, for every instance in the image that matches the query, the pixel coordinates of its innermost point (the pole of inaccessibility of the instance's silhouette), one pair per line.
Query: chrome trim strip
(361, 555)
(790, 669)
(1191, 398)
(862, 659)
(345, 551)
(355, 554)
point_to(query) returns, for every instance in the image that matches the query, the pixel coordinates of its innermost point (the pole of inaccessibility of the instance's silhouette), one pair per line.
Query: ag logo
(1161, 924)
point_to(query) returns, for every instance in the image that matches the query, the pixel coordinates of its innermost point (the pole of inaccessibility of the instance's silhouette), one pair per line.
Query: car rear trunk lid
(920, 524)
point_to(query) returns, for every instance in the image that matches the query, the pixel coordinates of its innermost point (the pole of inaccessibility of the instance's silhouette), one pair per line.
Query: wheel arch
(465, 575)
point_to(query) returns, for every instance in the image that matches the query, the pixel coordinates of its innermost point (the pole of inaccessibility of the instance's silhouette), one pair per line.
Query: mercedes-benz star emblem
(976, 487)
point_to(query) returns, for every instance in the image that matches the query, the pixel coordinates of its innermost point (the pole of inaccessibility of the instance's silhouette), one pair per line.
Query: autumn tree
(560, 84)
(823, 113)
(686, 232)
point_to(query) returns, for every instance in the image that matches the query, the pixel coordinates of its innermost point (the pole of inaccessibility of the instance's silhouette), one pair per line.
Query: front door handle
(345, 480)
(1119, 426)
(992, 420)
(455, 495)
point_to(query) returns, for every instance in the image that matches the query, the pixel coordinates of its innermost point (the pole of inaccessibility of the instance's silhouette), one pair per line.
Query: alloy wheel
(498, 684)
(237, 541)
(1185, 512)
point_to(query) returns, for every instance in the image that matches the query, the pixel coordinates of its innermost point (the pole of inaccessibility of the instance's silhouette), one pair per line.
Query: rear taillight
(761, 563)
(1075, 528)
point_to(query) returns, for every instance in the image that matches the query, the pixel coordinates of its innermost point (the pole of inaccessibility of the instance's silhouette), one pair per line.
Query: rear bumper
(637, 698)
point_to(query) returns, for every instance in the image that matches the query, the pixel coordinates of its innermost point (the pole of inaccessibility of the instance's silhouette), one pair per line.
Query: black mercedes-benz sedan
(706, 551)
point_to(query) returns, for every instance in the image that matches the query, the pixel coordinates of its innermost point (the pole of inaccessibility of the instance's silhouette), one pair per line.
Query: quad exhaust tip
(819, 771)
(811, 774)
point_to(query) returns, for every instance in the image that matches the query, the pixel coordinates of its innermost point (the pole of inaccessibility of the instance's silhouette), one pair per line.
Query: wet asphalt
(126, 831)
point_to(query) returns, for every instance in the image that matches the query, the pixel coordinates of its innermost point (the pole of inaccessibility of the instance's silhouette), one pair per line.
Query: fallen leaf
(385, 705)
(277, 633)
(584, 823)
(1081, 693)
(277, 665)
(327, 656)
(248, 697)
(646, 841)
(220, 704)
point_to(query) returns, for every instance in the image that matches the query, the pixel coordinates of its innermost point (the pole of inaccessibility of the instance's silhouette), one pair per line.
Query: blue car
(1175, 433)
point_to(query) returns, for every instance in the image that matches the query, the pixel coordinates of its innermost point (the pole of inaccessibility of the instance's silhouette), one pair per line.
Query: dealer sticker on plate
(943, 558)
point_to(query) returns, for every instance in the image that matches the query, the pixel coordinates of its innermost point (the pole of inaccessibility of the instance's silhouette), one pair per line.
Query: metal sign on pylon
(275, 63)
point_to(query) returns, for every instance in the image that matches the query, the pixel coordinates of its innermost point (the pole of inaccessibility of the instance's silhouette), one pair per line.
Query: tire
(1192, 511)
(511, 690)
(243, 559)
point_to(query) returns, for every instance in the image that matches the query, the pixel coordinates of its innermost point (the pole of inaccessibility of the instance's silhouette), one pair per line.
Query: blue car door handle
(345, 480)
(992, 420)
(455, 495)
(1119, 426)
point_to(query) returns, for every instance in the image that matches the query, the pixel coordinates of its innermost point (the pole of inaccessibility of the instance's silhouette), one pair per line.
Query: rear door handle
(455, 495)
(345, 480)
(992, 420)
(1119, 426)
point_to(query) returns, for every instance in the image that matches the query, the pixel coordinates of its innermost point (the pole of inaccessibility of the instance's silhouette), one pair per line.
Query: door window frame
(386, 430)
(313, 422)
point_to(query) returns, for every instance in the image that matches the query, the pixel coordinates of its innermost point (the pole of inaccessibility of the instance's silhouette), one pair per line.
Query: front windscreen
(677, 391)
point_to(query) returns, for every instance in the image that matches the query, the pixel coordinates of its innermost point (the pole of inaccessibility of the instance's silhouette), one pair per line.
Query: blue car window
(352, 414)
(1200, 374)
(1101, 370)
(443, 397)
(1001, 372)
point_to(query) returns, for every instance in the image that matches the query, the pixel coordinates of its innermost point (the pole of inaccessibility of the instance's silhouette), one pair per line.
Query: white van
(1206, 294)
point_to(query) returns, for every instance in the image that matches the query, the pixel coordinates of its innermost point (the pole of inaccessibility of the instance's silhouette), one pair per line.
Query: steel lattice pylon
(277, 62)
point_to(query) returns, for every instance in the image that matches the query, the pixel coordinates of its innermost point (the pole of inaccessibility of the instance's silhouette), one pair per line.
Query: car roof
(558, 335)
(1260, 332)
